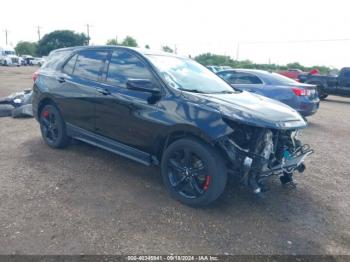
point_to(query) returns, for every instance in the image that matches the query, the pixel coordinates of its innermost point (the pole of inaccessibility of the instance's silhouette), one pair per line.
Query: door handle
(60, 79)
(103, 91)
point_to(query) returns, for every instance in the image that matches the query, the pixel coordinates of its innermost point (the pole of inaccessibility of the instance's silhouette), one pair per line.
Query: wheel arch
(177, 132)
(43, 102)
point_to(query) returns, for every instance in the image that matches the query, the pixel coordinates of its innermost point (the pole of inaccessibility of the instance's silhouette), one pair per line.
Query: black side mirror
(143, 85)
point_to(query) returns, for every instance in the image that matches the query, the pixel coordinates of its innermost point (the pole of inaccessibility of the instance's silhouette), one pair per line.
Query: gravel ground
(86, 200)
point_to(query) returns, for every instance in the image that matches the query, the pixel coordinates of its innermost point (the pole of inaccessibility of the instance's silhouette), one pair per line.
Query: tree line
(222, 60)
(67, 38)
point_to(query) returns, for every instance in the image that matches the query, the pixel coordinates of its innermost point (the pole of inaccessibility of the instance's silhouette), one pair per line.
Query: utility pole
(237, 52)
(6, 34)
(88, 33)
(39, 36)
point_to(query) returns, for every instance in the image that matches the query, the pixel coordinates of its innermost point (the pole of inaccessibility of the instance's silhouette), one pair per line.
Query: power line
(296, 41)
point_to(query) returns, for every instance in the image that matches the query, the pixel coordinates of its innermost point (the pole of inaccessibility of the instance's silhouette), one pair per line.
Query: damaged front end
(257, 153)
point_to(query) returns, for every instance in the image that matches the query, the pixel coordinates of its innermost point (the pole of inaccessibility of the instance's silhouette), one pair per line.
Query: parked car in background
(163, 109)
(28, 59)
(216, 69)
(330, 85)
(8, 57)
(21, 61)
(301, 97)
(38, 61)
(292, 73)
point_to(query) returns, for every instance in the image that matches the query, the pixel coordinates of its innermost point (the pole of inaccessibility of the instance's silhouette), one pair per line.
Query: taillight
(301, 92)
(35, 75)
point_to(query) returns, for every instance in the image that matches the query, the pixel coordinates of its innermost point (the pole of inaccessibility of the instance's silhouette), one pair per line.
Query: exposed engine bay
(256, 153)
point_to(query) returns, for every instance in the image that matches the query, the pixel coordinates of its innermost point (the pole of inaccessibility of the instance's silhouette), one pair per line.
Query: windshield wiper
(191, 90)
(225, 92)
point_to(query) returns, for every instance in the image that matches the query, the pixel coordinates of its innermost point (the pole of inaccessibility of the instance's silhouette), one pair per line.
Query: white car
(38, 61)
(8, 57)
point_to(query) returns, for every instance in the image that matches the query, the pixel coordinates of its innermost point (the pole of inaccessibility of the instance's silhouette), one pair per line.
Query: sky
(265, 31)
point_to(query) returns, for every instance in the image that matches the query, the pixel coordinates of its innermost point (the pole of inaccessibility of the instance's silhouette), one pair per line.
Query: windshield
(10, 53)
(186, 74)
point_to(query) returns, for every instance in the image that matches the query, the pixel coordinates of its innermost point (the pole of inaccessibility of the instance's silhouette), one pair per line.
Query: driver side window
(124, 66)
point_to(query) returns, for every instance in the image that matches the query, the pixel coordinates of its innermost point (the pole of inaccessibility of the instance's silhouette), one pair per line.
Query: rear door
(344, 82)
(123, 114)
(79, 83)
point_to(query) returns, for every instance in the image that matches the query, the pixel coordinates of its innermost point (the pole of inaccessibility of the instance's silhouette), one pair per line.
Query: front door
(123, 114)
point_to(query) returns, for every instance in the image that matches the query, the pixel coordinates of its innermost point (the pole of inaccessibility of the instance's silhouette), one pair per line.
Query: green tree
(147, 46)
(59, 39)
(26, 48)
(112, 42)
(220, 60)
(129, 41)
(213, 59)
(167, 49)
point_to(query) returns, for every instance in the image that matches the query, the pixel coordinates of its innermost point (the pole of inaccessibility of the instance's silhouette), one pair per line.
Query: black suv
(162, 109)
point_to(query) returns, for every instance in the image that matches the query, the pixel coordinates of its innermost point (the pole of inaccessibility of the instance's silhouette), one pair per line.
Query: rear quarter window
(55, 59)
(70, 64)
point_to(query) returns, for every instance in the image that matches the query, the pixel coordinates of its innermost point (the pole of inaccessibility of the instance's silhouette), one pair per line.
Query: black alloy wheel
(52, 127)
(194, 172)
(188, 174)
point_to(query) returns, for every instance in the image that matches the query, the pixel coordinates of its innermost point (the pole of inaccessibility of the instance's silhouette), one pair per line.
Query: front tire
(194, 172)
(53, 128)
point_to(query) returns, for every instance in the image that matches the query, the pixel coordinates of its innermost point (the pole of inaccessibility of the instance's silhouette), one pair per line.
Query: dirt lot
(86, 200)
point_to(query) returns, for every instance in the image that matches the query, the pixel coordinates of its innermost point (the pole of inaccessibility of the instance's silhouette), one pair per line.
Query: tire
(321, 94)
(198, 179)
(53, 128)
(323, 97)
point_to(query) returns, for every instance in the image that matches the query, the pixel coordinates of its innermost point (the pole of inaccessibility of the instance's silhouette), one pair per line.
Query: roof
(256, 71)
(143, 51)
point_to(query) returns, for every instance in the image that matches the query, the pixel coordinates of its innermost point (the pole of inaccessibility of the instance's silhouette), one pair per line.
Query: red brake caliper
(46, 114)
(206, 183)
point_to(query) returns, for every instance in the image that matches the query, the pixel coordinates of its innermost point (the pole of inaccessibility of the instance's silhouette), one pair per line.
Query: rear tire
(194, 172)
(53, 128)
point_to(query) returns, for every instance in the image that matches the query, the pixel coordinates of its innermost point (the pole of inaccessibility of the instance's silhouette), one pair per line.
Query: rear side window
(244, 79)
(124, 66)
(69, 66)
(89, 64)
(227, 75)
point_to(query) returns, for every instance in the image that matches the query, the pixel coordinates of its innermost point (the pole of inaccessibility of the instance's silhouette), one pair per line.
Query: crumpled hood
(252, 109)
